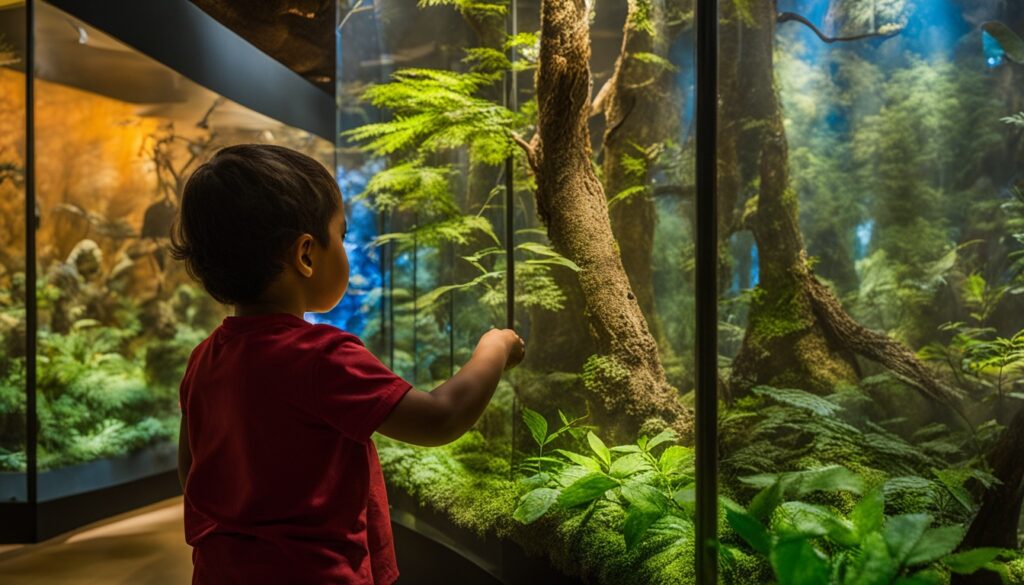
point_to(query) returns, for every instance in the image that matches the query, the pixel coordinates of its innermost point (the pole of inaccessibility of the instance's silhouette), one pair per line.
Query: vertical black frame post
(31, 318)
(512, 103)
(511, 99)
(707, 293)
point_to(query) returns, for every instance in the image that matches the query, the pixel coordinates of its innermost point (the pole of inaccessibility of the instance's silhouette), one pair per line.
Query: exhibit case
(766, 257)
(105, 111)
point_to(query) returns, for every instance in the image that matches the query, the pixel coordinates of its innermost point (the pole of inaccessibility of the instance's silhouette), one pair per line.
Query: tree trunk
(630, 393)
(996, 523)
(798, 333)
(784, 344)
(641, 109)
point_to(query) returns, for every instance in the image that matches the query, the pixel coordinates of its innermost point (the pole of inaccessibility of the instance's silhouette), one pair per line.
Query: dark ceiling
(298, 33)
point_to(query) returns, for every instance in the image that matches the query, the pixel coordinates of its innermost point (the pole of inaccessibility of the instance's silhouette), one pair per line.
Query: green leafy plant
(651, 480)
(816, 545)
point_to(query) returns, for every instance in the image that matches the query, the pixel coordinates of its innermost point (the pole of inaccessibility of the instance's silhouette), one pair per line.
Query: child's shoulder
(325, 339)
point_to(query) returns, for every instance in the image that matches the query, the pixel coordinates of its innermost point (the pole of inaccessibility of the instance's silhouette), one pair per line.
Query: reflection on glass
(870, 206)
(117, 137)
(13, 486)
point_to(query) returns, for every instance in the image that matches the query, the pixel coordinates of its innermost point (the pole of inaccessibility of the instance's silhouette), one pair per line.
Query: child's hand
(514, 345)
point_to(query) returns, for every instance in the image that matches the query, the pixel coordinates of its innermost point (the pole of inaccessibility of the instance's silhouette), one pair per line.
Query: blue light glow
(357, 306)
(995, 55)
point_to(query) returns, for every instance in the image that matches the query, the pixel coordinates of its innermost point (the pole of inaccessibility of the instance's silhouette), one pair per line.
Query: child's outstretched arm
(439, 417)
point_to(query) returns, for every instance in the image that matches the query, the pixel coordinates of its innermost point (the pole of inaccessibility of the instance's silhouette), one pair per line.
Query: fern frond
(457, 230)
(437, 110)
(470, 7)
(411, 186)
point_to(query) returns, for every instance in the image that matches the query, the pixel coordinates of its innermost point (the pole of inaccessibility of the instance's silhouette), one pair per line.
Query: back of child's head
(241, 210)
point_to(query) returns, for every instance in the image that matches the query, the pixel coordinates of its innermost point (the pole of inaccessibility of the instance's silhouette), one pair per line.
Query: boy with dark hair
(281, 478)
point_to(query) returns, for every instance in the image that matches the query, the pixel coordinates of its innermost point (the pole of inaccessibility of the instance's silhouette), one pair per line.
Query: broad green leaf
(537, 424)
(672, 459)
(799, 399)
(869, 514)
(641, 494)
(953, 481)
(586, 489)
(797, 562)
(685, 497)
(535, 481)
(874, 565)
(666, 436)
(599, 448)
(534, 504)
(750, 530)
(969, 561)
(628, 465)
(826, 479)
(765, 502)
(812, 520)
(903, 532)
(625, 449)
(589, 462)
(935, 544)
(638, 519)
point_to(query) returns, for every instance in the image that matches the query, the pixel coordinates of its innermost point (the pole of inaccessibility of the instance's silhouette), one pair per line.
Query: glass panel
(604, 291)
(441, 215)
(871, 206)
(117, 136)
(13, 418)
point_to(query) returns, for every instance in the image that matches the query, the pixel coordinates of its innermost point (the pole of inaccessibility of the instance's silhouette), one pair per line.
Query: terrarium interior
(870, 237)
(531, 164)
(116, 136)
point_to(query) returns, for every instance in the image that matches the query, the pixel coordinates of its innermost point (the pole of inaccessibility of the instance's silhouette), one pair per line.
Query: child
(281, 478)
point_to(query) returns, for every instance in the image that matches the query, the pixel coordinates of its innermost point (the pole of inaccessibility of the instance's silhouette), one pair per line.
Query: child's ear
(303, 255)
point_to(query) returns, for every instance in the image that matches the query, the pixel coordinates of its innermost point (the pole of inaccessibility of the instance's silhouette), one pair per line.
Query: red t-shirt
(285, 486)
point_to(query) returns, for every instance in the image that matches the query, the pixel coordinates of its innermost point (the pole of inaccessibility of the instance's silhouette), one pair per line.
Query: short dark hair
(242, 209)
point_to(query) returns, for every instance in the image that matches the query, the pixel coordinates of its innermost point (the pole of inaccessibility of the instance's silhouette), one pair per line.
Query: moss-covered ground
(471, 482)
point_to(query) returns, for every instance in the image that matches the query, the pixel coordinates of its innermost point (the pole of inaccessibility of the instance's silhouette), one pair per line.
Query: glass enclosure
(869, 217)
(117, 134)
(870, 204)
(12, 247)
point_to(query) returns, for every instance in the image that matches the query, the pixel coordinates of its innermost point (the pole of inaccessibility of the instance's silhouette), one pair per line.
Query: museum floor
(143, 548)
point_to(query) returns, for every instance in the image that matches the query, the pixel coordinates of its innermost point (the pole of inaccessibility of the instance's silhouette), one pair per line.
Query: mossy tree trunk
(630, 393)
(784, 344)
(641, 108)
(798, 332)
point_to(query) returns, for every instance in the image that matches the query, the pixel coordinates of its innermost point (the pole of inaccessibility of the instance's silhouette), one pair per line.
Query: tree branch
(530, 148)
(794, 17)
(597, 106)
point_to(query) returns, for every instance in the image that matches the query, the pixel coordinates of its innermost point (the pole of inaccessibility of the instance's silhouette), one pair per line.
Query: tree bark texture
(641, 109)
(798, 333)
(784, 345)
(630, 393)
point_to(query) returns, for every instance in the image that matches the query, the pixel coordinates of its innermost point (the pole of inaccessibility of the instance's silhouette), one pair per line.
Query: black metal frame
(179, 35)
(706, 416)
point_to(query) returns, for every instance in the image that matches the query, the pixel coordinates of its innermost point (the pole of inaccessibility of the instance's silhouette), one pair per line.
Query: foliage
(436, 110)
(651, 480)
(477, 9)
(792, 429)
(812, 544)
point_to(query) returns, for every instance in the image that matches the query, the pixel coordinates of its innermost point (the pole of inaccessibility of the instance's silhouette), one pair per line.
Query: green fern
(438, 110)
(471, 8)
(410, 186)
